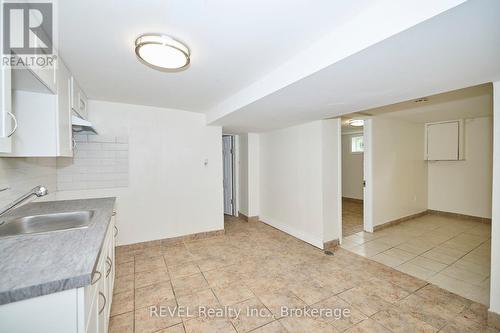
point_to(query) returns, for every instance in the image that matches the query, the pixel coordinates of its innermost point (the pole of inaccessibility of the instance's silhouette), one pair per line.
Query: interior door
(227, 163)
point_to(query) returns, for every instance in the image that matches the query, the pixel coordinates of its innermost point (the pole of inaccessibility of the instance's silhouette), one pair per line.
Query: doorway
(356, 171)
(228, 174)
(352, 178)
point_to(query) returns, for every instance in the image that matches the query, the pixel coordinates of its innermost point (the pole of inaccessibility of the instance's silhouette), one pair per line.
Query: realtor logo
(27, 28)
(27, 34)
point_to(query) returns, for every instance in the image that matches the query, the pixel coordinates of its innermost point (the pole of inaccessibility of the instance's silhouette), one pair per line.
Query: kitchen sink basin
(45, 223)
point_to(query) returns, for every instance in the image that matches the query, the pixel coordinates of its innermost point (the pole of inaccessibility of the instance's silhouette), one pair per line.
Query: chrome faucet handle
(4, 189)
(39, 191)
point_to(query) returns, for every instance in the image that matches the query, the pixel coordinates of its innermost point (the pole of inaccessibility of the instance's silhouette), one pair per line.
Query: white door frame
(368, 175)
(339, 178)
(367, 178)
(234, 172)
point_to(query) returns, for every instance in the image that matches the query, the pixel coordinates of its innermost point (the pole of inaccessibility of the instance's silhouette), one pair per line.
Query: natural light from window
(357, 144)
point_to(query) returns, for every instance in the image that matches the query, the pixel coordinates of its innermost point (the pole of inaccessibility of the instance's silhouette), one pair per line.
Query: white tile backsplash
(99, 162)
(21, 174)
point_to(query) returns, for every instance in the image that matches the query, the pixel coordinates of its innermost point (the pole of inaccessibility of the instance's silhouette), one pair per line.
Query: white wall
(22, 174)
(249, 174)
(332, 181)
(253, 175)
(464, 187)
(352, 169)
(291, 182)
(243, 173)
(495, 225)
(293, 188)
(399, 176)
(171, 192)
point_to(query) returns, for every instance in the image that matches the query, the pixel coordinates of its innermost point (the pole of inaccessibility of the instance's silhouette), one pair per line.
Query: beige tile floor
(449, 252)
(258, 267)
(352, 217)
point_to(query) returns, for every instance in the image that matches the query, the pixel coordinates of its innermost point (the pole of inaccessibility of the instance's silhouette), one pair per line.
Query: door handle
(104, 305)
(95, 281)
(110, 263)
(15, 124)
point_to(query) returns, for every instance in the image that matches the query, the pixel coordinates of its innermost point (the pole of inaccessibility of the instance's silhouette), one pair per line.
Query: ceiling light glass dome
(162, 52)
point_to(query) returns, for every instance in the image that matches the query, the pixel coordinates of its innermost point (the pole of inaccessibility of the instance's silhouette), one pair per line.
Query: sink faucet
(39, 191)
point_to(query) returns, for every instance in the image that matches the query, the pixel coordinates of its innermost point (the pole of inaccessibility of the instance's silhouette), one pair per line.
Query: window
(357, 144)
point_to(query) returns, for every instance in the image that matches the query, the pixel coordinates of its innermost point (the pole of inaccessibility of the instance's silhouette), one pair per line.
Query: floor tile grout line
(313, 304)
(427, 282)
(435, 246)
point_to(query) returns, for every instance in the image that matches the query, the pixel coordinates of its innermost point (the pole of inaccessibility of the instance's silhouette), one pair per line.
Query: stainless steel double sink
(35, 224)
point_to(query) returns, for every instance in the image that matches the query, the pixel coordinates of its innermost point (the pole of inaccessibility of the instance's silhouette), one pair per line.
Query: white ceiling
(464, 103)
(233, 43)
(456, 49)
(472, 102)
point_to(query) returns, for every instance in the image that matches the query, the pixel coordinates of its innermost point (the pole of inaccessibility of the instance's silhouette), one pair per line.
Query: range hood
(81, 125)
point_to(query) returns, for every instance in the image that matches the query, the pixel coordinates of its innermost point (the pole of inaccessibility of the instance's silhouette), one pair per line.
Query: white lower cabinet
(100, 293)
(82, 310)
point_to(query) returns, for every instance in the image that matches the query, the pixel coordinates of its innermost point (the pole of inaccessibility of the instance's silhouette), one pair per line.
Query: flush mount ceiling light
(356, 122)
(162, 52)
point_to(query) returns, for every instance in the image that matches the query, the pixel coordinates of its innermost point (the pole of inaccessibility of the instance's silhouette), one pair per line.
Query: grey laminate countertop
(36, 265)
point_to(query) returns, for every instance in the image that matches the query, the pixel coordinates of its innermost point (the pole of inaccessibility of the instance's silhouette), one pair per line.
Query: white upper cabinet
(78, 99)
(6, 117)
(36, 105)
(43, 118)
(444, 141)
(47, 77)
(42, 74)
(63, 111)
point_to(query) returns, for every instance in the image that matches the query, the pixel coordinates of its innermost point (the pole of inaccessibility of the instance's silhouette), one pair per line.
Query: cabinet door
(5, 101)
(109, 279)
(6, 117)
(113, 245)
(443, 141)
(82, 104)
(78, 99)
(93, 319)
(64, 129)
(102, 298)
(47, 76)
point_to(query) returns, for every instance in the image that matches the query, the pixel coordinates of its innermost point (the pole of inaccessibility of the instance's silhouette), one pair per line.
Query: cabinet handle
(104, 305)
(15, 123)
(74, 143)
(116, 231)
(95, 281)
(110, 263)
